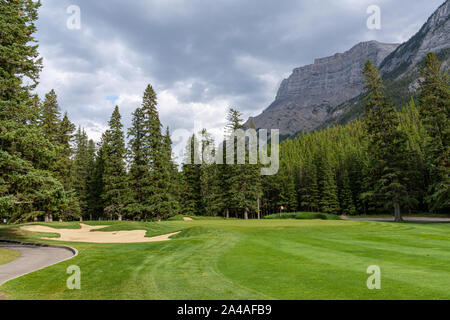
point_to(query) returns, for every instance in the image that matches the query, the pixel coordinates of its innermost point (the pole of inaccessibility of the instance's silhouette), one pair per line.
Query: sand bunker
(187, 219)
(85, 235)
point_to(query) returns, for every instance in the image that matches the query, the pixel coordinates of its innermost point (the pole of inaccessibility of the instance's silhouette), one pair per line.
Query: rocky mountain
(434, 36)
(330, 90)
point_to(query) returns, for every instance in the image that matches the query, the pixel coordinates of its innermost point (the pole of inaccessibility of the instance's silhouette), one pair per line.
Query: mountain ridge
(308, 100)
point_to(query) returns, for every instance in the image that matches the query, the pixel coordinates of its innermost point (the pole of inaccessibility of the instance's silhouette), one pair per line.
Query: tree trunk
(81, 219)
(398, 213)
(46, 218)
(50, 219)
(259, 211)
(246, 213)
(227, 213)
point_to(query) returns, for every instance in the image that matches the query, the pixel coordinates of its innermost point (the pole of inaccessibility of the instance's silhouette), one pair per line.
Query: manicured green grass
(266, 259)
(303, 216)
(6, 256)
(387, 215)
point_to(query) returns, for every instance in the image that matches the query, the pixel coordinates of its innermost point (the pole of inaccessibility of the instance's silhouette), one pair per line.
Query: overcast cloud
(201, 56)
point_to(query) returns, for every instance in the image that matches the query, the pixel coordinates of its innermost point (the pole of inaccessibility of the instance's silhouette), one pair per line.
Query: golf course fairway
(255, 259)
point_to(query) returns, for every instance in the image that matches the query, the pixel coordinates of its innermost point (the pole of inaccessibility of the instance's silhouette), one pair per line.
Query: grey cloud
(200, 43)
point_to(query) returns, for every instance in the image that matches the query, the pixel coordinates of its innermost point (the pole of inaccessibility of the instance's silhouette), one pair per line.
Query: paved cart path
(32, 258)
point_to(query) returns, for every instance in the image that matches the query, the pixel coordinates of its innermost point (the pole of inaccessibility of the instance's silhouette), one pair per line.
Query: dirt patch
(85, 235)
(187, 219)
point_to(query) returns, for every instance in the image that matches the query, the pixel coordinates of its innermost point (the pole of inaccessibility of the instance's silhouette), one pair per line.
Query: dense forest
(393, 159)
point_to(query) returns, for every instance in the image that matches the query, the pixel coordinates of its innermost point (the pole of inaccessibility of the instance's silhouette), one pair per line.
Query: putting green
(267, 259)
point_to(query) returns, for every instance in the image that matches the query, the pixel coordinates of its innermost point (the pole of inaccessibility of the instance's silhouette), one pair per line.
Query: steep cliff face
(329, 91)
(434, 36)
(401, 68)
(305, 99)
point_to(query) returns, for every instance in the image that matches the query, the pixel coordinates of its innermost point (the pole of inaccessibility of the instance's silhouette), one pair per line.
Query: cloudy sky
(201, 56)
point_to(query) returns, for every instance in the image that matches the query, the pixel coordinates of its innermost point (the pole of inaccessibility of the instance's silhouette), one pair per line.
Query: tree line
(387, 160)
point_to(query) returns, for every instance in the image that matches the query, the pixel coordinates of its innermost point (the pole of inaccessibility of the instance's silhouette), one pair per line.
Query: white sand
(85, 235)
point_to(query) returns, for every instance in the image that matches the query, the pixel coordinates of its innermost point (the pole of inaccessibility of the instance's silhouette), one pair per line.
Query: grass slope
(6, 256)
(266, 259)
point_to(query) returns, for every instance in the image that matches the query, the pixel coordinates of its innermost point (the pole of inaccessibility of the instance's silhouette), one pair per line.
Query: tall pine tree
(435, 115)
(27, 187)
(387, 145)
(114, 174)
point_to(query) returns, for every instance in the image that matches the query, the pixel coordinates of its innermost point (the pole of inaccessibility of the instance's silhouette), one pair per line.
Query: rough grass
(6, 256)
(266, 259)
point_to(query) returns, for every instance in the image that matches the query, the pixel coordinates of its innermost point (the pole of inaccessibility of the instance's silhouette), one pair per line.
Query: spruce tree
(27, 187)
(150, 145)
(95, 184)
(138, 166)
(157, 184)
(328, 201)
(91, 182)
(244, 180)
(288, 194)
(346, 196)
(19, 59)
(51, 116)
(191, 177)
(435, 115)
(210, 184)
(64, 139)
(309, 188)
(387, 145)
(170, 202)
(80, 170)
(114, 174)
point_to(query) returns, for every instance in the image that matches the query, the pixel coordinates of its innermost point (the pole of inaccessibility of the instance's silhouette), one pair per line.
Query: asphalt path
(32, 258)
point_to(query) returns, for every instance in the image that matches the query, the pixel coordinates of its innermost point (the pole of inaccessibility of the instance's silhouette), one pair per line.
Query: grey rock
(328, 91)
(305, 99)
(434, 36)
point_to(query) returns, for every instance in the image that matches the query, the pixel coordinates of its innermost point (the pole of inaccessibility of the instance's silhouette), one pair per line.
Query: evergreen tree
(346, 196)
(209, 179)
(170, 202)
(138, 165)
(51, 116)
(244, 179)
(191, 173)
(328, 201)
(288, 194)
(309, 189)
(114, 174)
(27, 187)
(95, 184)
(435, 115)
(64, 139)
(151, 165)
(19, 59)
(91, 182)
(80, 170)
(157, 182)
(387, 144)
